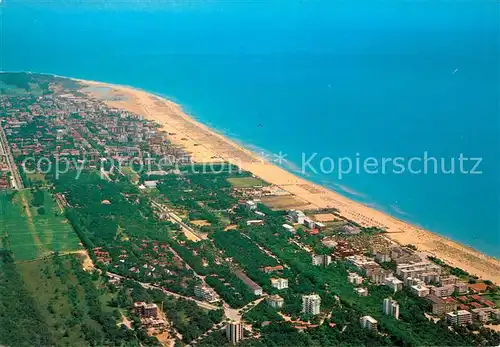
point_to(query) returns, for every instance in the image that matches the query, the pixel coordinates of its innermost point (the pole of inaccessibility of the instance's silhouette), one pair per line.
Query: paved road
(5, 150)
(202, 304)
(177, 219)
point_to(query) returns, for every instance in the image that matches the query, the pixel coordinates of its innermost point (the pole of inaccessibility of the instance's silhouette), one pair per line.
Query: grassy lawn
(28, 232)
(246, 182)
(37, 177)
(134, 177)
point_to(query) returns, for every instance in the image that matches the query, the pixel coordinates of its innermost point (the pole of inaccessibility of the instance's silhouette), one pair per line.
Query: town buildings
(424, 270)
(393, 283)
(311, 304)
(361, 291)
(391, 307)
(403, 255)
(441, 306)
(446, 280)
(460, 317)
(321, 260)
(296, 216)
(254, 287)
(420, 290)
(234, 332)
(269, 269)
(279, 283)
(255, 222)
(275, 301)
(250, 205)
(383, 257)
(368, 322)
(354, 278)
(145, 310)
(149, 315)
(485, 314)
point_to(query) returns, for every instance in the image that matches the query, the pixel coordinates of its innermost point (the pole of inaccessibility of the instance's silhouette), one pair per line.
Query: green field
(37, 177)
(246, 182)
(30, 232)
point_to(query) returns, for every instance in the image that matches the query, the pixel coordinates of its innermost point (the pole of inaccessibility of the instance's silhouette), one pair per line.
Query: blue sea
(380, 79)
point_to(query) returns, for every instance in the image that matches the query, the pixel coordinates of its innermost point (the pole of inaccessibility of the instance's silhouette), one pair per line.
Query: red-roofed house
(478, 287)
(476, 305)
(489, 303)
(268, 269)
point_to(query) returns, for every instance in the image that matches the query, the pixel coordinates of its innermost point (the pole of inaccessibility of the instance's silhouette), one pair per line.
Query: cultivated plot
(32, 231)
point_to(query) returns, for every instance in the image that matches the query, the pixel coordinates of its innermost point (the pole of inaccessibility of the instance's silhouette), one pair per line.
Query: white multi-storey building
(311, 304)
(321, 259)
(391, 307)
(368, 322)
(460, 317)
(393, 283)
(234, 332)
(354, 278)
(279, 283)
(275, 301)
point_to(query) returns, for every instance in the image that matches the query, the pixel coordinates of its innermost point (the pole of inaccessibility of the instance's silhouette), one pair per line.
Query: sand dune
(205, 145)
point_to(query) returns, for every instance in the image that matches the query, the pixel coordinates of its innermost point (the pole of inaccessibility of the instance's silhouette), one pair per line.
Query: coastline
(207, 145)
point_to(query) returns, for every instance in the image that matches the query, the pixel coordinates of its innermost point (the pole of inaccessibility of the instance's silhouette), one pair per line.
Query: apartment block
(311, 304)
(460, 317)
(391, 307)
(368, 322)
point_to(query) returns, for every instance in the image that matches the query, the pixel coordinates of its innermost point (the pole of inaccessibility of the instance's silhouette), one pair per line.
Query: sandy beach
(205, 145)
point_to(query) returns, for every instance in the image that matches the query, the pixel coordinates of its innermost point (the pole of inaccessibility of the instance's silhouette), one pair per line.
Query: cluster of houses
(425, 279)
(66, 125)
(298, 217)
(155, 262)
(4, 175)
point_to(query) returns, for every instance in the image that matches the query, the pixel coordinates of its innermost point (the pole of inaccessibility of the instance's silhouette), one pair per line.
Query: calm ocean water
(378, 78)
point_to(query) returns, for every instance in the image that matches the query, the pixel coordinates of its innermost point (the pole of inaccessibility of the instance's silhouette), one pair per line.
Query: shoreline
(208, 145)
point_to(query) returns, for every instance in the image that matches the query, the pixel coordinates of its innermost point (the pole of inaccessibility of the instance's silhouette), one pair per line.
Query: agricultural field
(33, 226)
(246, 182)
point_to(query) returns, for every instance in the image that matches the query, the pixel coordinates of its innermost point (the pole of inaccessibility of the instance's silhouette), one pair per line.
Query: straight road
(5, 151)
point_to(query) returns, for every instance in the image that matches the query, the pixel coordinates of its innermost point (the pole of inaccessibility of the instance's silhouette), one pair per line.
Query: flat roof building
(234, 332)
(311, 304)
(368, 322)
(279, 283)
(420, 290)
(460, 317)
(391, 307)
(275, 301)
(441, 306)
(354, 278)
(254, 287)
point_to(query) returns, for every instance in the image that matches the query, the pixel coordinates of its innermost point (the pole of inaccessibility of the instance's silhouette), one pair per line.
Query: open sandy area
(205, 145)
